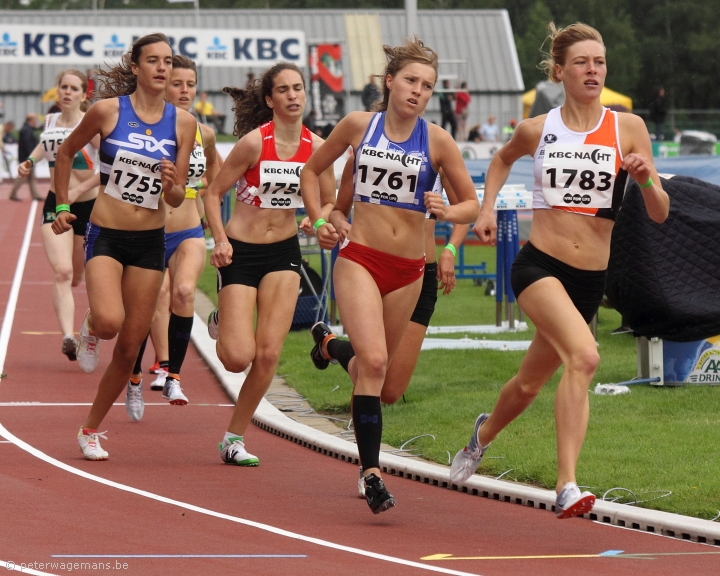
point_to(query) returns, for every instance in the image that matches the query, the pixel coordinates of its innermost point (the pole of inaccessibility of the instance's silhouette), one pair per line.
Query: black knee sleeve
(342, 351)
(138, 363)
(367, 420)
(179, 330)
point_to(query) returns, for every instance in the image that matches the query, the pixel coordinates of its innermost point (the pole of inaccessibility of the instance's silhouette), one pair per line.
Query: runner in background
(184, 255)
(258, 253)
(583, 155)
(378, 274)
(65, 251)
(144, 155)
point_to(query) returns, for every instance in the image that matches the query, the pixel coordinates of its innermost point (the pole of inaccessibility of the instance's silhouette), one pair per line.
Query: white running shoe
(159, 382)
(468, 459)
(233, 451)
(213, 329)
(134, 404)
(90, 445)
(571, 502)
(88, 351)
(174, 393)
(361, 484)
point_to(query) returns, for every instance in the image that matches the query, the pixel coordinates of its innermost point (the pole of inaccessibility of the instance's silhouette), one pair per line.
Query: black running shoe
(378, 498)
(320, 331)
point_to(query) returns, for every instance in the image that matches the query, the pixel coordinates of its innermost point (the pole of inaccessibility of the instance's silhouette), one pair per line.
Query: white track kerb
(273, 420)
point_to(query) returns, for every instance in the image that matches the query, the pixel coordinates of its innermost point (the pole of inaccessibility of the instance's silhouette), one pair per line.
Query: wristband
(647, 184)
(199, 185)
(62, 208)
(32, 161)
(221, 243)
(319, 222)
(452, 249)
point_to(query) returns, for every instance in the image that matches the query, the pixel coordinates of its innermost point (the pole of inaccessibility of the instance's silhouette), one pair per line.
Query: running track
(165, 504)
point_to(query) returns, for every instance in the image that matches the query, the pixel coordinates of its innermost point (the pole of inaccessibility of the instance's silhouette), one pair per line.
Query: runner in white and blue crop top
(582, 153)
(378, 276)
(144, 157)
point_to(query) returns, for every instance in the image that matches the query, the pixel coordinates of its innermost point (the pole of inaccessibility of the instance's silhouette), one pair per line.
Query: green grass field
(660, 443)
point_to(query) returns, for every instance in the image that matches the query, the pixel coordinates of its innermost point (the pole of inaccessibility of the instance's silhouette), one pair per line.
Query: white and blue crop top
(130, 155)
(391, 173)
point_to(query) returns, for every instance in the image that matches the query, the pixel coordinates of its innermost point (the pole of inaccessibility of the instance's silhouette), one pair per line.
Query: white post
(196, 4)
(411, 27)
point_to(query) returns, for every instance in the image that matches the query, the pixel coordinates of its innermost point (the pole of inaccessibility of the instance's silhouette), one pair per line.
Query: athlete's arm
(446, 261)
(524, 141)
(446, 155)
(83, 187)
(640, 167)
(174, 174)
(245, 153)
(339, 217)
(211, 155)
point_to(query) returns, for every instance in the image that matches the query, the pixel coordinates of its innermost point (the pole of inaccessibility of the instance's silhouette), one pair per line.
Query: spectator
(207, 114)
(509, 130)
(370, 94)
(489, 130)
(462, 103)
(9, 135)
(27, 141)
(447, 112)
(90, 75)
(658, 111)
(250, 78)
(474, 134)
(309, 121)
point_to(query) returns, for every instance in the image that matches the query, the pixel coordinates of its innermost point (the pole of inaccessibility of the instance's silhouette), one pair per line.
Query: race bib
(578, 175)
(51, 140)
(280, 184)
(197, 167)
(387, 175)
(135, 179)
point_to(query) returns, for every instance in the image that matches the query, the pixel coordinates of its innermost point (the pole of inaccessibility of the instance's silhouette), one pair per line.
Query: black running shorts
(251, 262)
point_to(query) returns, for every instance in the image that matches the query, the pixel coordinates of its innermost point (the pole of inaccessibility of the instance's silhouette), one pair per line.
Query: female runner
(144, 151)
(65, 252)
(258, 254)
(583, 154)
(184, 255)
(378, 275)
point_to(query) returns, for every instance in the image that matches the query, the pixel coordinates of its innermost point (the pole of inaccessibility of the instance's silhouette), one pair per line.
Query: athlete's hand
(327, 236)
(638, 167)
(435, 204)
(222, 254)
(340, 222)
(24, 168)
(168, 174)
(306, 227)
(485, 228)
(446, 271)
(62, 222)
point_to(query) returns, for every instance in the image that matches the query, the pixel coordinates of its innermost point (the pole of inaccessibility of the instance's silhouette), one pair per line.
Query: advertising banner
(92, 45)
(327, 86)
(695, 362)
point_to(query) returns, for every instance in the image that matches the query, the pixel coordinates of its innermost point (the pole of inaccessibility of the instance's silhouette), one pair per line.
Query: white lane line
(15, 288)
(184, 505)
(13, 567)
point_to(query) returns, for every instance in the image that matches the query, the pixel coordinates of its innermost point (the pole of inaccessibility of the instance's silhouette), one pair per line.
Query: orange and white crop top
(580, 172)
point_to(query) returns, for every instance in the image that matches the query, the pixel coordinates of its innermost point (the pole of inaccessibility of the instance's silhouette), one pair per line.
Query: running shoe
(69, 348)
(377, 496)
(468, 459)
(155, 367)
(173, 392)
(233, 451)
(571, 502)
(88, 350)
(159, 382)
(212, 323)
(321, 333)
(361, 484)
(134, 404)
(90, 445)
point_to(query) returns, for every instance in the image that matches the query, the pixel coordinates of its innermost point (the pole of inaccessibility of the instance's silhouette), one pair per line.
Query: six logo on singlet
(140, 141)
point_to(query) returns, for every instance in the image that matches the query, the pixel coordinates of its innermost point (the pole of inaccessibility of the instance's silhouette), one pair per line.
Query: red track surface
(172, 452)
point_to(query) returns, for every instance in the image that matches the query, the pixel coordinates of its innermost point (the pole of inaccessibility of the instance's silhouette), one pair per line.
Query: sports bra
(392, 173)
(580, 172)
(51, 138)
(271, 182)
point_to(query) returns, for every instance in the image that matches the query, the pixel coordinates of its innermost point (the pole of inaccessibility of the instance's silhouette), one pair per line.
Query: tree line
(650, 43)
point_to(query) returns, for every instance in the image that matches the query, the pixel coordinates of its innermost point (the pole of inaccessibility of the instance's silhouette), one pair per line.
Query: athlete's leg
(78, 260)
(400, 370)
(276, 301)
(161, 319)
(235, 345)
(59, 250)
(130, 295)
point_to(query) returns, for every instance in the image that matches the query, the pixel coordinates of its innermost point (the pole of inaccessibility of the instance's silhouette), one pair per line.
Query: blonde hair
(398, 57)
(560, 42)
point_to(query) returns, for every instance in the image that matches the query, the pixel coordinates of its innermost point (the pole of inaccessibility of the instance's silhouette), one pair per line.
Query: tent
(608, 98)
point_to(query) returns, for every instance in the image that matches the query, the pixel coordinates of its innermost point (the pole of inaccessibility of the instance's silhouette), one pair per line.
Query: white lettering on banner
(28, 43)
(578, 175)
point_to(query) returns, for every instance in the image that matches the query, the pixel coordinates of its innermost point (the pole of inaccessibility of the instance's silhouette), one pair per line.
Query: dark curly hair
(119, 80)
(250, 107)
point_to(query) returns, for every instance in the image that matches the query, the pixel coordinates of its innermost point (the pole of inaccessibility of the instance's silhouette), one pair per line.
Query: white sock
(230, 435)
